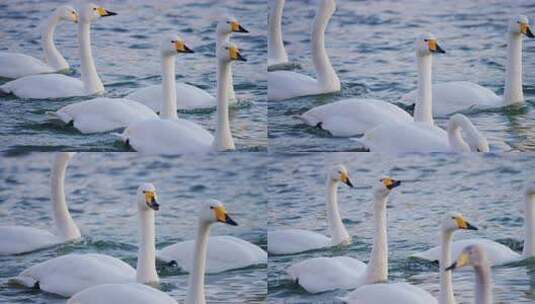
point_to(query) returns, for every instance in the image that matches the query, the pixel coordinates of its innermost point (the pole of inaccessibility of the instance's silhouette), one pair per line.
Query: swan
(355, 116)
(287, 84)
(290, 241)
(131, 293)
(420, 137)
(497, 253)
(16, 65)
(190, 97)
(276, 51)
(456, 96)
(68, 274)
(171, 135)
(211, 212)
(23, 239)
(59, 85)
(322, 274)
(475, 256)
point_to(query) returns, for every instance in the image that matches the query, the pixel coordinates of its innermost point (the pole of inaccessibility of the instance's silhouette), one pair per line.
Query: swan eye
(226, 48)
(211, 207)
(94, 8)
(172, 41)
(426, 40)
(453, 218)
(144, 191)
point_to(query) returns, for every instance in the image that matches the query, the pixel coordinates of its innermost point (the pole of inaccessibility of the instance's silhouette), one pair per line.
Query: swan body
(287, 84)
(399, 293)
(276, 51)
(21, 239)
(103, 114)
(131, 293)
(16, 65)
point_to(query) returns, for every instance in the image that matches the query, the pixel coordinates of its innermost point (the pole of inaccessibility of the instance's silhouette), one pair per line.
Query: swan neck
(446, 289)
(513, 71)
(377, 269)
(276, 50)
(223, 136)
(52, 56)
(423, 110)
(196, 278)
(483, 284)
(92, 83)
(455, 138)
(169, 106)
(529, 226)
(326, 74)
(146, 260)
(337, 230)
(65, 225)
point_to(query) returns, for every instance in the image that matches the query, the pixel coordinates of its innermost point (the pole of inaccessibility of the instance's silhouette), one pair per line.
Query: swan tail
(308, 119)
(4, 91)
(26, 281)
(361, 140)
(122, 136)
(57, 115)
(343, 299)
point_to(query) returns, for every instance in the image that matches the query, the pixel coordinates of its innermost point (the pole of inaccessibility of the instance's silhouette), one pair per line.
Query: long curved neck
(276, 50)
(225, 38)
(529, 226)
(377, 269)
(223, 136)
(513, 72)
(337, 230)
(146, 259)
(423, 111)
(52, 56)
(196, 278)
(483, 284)
(446, 289)
(65, 225)
(92, 83)
(327, 77)
(455, 138)
(169, 106)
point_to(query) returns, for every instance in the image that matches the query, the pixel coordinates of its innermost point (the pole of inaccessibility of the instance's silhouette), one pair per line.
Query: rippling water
(125, 48)
(371, 46)
(100, 190)
(488, 190)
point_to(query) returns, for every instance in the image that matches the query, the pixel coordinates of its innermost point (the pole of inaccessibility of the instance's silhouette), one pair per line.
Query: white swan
(476, 256)
(350, 117)
(497, 253)
(287, 84)
(22, 239)
(16, 65)
(456, 96)
(210, 213)
(131, 293)
(290, 241)
(59, 85)
(189, 97)
(171, 135)
(276, 51)
(323, 274)
(72, 273)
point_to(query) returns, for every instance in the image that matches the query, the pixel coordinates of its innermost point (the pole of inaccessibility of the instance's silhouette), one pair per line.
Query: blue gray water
(488, 190)
(371, 46)
(127, 57)
(100, 190)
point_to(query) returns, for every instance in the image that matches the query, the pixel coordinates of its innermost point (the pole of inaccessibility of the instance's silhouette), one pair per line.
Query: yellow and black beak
(390, 183)
(150, 200)
(104, 12)
(434, 47)
(462, 260)
(462, 223)
(344, 177)
(235, 54)
(223, 217)
(236, 27)
(181, 47)
(524, 29)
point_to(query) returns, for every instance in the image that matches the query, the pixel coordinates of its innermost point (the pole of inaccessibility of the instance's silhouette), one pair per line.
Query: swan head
(385, 185)
(473, 255)
(89, 12)
(456, 221)
(228, 52)
(229, 25)
(172, 44)
(67, 13)
(213, 211)
(519, 25)
(426, 44)
(339, 173)
(147, 198)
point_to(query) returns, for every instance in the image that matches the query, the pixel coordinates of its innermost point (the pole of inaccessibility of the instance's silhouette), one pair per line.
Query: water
(488, 190)
(371, 46)
(125, 48)
(100, 190)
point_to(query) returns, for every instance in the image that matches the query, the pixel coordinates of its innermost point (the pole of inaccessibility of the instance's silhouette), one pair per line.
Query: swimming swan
(16, 65)
(276, 51)
(287, 84)
(68, 274)
(456, 96)
(189, 97)
(355, 116)
(130, 293)
(290, 241)
(171, 135)
(497, 253)
(59, 85)
(323, 274)
(23, 239)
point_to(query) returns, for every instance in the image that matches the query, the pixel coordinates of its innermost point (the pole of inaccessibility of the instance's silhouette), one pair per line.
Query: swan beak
(462, 223)
(223, 217)
(391, 183)
(104, 12)
(150, 200)
(434, 47)
(181, 47)
(462, 260)
(524, 28)
(235, 54)
(236, 27)
(345, 179)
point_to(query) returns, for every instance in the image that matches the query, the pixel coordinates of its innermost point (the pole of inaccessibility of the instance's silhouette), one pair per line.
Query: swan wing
(131, 293)
(16, 65)
(327, 273)
(20, 239)
(288, 84)
(292, 241)
(45, 86)
(399, 293)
